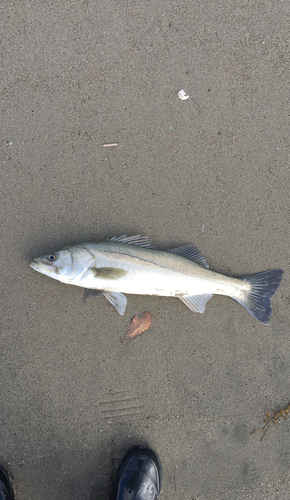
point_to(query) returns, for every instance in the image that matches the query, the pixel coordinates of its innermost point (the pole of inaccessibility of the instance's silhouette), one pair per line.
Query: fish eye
(51, 257)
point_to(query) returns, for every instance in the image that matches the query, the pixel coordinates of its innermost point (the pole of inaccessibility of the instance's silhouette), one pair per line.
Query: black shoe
(6, 492)
(139, 476)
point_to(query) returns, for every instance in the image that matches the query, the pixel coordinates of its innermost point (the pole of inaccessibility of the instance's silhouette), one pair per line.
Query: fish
(132, 265)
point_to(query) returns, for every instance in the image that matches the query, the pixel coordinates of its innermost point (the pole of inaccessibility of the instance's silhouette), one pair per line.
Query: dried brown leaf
(138, 325)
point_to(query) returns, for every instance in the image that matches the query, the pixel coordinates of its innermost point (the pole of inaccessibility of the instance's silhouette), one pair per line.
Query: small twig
(110, 145)
(274, 419)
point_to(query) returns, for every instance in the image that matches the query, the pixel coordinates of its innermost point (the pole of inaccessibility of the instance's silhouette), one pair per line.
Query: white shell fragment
(182, 95)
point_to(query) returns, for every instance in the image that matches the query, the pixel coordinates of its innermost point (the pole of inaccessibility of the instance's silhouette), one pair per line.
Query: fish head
(66, 266)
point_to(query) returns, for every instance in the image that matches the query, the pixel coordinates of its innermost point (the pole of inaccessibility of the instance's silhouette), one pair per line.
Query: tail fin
(258, 300)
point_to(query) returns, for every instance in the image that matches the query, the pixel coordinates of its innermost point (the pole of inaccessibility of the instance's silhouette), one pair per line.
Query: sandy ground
(76, 75)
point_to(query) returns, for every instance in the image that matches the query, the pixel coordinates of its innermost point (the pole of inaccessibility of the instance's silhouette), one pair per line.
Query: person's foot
(139, 476)
(6, 492)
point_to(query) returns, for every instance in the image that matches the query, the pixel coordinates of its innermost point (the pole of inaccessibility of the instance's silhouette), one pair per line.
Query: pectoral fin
(118, 300)
(196, 302)
(108, 273)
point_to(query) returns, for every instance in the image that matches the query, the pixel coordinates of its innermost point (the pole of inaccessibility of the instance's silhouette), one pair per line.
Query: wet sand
(212, 170)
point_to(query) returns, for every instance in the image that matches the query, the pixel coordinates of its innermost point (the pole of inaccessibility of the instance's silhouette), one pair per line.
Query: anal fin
(196, 302)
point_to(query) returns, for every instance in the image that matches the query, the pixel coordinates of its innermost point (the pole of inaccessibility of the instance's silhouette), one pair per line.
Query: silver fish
(133, 265)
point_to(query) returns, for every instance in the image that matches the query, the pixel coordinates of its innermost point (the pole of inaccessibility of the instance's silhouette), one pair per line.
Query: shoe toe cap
(139, 476)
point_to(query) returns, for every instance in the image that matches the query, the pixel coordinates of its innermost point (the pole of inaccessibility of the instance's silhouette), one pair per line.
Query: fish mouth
(34, 264)
(37, 266)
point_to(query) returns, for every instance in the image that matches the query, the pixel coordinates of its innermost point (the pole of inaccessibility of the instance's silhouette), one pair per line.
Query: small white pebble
(182, 95)
(202, 228)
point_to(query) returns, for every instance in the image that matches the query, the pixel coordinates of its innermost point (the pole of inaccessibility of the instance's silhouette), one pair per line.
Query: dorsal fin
(192, 253)
(138, 240)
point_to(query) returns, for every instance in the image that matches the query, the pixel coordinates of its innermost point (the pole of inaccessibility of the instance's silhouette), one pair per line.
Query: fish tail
(257, 301)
